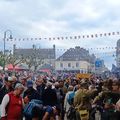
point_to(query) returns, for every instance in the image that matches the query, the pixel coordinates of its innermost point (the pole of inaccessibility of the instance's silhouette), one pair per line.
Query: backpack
(70, 98)
(71, 114)
(29, 107)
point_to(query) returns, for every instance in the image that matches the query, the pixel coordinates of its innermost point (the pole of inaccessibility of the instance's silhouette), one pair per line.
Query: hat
(19, 85)
(29, 83)
(10, 79)
(6, 78)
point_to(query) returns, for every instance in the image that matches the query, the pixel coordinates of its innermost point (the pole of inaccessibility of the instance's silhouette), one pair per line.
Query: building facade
(118, 54)
(75, 59)
(39, 56)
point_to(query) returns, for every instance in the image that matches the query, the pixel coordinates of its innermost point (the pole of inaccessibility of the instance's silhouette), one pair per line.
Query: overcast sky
(52, 18)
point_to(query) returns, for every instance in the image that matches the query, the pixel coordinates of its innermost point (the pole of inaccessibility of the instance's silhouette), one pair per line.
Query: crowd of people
(52, 97)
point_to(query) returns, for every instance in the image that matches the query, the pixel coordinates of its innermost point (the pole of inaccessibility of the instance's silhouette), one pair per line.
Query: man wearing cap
(30, 92)
(12, 105)
(7, 87)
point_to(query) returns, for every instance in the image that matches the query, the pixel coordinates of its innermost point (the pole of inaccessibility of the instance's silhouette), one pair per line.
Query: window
(77, 64)
(61, 65)
(69, 64)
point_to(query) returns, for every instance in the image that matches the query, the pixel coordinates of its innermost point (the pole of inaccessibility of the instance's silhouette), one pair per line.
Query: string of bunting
(76, 37)
(92, 49)
(112, 54)
(103, 54)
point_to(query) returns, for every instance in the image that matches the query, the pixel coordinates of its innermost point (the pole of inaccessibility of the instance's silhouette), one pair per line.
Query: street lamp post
(10, 37)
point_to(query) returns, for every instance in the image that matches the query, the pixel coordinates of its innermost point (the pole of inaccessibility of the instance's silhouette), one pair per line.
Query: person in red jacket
(12, 105)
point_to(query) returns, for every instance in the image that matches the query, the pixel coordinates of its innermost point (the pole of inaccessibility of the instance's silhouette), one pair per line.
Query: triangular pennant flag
(109, 34)
(62, 38)
(70, 37)
(105, 34)
(96, 35)
(87, 36)
(113, 33)
(118, 33)
(75, 37)
(79, 37)
(92, 36)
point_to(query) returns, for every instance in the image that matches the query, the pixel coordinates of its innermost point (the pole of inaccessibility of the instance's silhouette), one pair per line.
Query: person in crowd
(82, 99)
(30, 92)
(6, 87)
(12, 104)
(67, 105)
(108, 99)
(40, 86)
(49, 96)
(63, 89)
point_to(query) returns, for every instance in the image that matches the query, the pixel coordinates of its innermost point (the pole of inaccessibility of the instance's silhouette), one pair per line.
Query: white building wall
(83, 65)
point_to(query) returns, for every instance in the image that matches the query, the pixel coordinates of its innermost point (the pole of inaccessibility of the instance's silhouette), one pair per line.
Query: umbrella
(10, 67)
